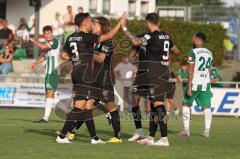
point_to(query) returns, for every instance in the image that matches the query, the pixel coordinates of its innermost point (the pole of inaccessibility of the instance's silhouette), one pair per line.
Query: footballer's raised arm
(40, 45)
(113, 32)
(135, 40)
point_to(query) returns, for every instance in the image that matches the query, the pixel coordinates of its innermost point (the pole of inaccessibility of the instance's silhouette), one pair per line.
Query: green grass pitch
(22, 139)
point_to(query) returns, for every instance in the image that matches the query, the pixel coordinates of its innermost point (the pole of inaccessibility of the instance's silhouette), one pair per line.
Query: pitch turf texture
(22, 139)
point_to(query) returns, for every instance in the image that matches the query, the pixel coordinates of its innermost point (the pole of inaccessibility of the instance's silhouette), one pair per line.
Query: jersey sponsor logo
(105, 94)
(105, 48)
(147, 37)
(165, 63)
(152, 91)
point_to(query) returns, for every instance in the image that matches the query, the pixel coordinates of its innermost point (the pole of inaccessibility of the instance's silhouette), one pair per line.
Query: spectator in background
(183, 74)
(23, 23)
(69, 25)
(6, 60)
(80, 10)
(215, 77)
(58, 27)
(6, 34)
(23, 33)
(126, 73)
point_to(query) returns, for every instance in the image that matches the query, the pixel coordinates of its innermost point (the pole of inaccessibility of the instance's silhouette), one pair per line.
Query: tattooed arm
(135, 40)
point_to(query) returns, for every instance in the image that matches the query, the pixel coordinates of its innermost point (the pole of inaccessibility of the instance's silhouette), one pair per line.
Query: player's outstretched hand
(123, 20)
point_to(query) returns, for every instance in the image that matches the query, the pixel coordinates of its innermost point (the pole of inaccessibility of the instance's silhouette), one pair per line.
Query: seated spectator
(23, 33)
(6, 34)
(6, 60)
(24, 23)
(58, 27)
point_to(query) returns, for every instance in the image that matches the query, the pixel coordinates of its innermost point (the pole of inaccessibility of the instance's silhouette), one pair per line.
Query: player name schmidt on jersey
(75, 39)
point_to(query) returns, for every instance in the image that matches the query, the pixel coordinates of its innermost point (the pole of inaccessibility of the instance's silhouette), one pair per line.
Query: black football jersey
(103, 71)
(79, 47)
(158, 45)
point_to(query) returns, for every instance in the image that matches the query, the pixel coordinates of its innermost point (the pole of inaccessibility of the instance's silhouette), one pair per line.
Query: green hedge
(181, 33)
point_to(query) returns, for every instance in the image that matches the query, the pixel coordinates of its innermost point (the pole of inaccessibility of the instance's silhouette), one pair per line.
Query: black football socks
(90, 124)
(152, 123)
(115, 119)
(162, 119)
(136, 113)
(72, 117)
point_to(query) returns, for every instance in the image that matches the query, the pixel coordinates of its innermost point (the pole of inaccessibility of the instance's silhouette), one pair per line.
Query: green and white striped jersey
(202, 59)
(53, 57)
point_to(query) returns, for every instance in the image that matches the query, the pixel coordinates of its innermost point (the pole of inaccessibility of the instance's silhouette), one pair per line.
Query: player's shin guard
(72, 116)
(88, 116)
(162, 119)
(136, 113)
(116, 123)
(48, 108)
(208, 119)
(152, 124)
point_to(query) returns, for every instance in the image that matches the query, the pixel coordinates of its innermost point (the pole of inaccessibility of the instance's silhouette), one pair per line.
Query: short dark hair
(201, 35)
(105, 24)
(184, 63)
(152, 18)
(47, 28)
(80, 17)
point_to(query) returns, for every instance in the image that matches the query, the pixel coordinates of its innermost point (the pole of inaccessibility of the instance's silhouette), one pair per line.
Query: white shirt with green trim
(202, 59)
(53, 57)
